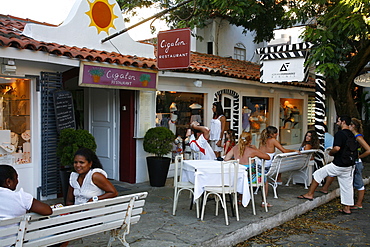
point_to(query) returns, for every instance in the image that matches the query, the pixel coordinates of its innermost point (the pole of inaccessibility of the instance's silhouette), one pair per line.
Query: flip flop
(342, 212)
(268, 205)
(305, 198)
(323, 192)
(356, 207)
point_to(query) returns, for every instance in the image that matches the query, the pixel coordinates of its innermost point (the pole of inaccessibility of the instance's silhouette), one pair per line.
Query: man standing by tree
(338, 168)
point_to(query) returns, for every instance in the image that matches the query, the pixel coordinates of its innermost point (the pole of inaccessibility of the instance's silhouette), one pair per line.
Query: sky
(55, 12)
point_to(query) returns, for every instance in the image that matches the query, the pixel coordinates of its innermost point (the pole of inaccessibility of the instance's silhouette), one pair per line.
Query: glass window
(239, 51)
(255, 116)
(290, 121)
(15, 134)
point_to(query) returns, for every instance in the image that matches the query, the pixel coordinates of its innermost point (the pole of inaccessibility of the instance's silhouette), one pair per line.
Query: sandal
(268, 204)
(343, 212)
(356, 207)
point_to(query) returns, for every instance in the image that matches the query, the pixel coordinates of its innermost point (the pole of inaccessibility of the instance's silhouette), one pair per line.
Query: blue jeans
(358, 183)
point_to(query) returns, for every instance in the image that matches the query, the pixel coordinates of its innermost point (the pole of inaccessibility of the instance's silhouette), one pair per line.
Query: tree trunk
(340, 91)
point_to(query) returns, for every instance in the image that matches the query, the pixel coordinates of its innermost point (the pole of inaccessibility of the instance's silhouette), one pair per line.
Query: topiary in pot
(70, 140)
(158, 141)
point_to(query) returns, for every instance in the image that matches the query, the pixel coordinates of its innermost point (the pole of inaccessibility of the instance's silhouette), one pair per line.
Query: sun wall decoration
(101, 15)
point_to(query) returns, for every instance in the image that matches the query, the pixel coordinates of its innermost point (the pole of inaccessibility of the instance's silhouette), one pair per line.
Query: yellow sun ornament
(101, 15)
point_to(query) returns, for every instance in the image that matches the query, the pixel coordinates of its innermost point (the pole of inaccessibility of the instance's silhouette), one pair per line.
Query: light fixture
(363, 80)
(301, 93)
(198, 83)
(271, 90)
(9, 67)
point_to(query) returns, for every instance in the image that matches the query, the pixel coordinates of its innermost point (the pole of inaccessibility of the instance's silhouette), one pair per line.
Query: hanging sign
(173, 51)
(114, 76)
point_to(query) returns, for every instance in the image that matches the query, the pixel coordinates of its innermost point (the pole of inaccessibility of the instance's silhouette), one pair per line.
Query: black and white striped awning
(284, 48)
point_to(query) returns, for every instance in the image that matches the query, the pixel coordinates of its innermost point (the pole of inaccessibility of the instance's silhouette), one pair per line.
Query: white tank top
(215, 132)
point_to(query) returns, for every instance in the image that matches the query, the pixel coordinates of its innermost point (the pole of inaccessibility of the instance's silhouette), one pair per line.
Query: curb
(259, 227)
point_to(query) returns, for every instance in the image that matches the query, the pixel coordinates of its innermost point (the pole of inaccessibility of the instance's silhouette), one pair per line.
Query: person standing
(358, 183)
(217, 128)
(339, 167)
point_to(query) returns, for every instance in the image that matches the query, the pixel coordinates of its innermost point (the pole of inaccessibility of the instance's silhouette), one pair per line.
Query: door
(127, 141)
(102, 124)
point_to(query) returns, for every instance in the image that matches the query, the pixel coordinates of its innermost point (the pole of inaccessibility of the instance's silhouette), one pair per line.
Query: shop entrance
(127, 162)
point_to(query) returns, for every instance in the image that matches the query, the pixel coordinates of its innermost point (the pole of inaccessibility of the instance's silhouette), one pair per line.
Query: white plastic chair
(180, 185)
(195, 155)
(228, 185)
(256, 172)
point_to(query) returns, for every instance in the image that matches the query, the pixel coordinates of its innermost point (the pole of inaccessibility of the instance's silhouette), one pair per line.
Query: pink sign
(101, 76)
(173, 49)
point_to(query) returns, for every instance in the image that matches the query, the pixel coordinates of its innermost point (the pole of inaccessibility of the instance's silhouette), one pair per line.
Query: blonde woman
(244, 150)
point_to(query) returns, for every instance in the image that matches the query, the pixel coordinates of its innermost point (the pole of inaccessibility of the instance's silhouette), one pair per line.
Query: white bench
(72, 222)
(295, 163)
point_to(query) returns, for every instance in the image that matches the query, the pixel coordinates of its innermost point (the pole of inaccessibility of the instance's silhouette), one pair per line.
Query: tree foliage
(258, 16)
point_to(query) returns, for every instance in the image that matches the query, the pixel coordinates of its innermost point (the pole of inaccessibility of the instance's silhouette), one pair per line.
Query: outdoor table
(208, 173)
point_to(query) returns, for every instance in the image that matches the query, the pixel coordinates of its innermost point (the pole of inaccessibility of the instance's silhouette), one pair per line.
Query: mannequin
(195, 113)
(245, 119)
(173, 118)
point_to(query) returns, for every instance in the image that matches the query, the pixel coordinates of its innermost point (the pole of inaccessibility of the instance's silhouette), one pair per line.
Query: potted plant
(158, 141)
(70, 140)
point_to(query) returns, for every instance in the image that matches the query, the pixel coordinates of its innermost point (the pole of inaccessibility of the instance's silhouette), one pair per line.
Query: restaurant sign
(173, 51)
(114, 76)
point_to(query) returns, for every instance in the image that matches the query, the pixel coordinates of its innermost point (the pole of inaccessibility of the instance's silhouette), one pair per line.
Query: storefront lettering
(174, 55)
(116, 76)
(167, 45)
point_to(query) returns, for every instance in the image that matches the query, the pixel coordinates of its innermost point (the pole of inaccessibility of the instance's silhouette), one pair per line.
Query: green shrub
(70, 140)
(158, 141)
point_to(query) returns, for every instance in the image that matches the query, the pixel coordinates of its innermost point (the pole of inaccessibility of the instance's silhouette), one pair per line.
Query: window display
(176, 111)
(255, 116)
(290, 121)
(15, 134)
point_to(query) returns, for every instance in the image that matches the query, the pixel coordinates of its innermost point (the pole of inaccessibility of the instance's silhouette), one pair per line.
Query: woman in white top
(17, 203)
(89, 181)
(217, 128)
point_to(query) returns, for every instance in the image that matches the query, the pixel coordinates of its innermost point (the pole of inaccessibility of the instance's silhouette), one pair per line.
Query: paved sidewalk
(158, 227)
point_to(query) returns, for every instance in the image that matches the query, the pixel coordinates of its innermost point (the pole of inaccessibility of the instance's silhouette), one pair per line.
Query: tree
(259, 16)
(338, 29)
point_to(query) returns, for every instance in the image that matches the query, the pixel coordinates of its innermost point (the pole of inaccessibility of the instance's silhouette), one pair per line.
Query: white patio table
(208, 173)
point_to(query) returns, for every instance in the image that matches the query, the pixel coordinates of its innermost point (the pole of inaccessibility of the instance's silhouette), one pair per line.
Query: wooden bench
(295, 163)
(72, 222)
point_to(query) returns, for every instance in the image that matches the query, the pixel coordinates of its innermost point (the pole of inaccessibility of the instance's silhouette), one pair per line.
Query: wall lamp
(198, 83)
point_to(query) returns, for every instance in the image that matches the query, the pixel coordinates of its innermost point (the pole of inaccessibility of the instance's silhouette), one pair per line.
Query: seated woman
(17, 203)
(244, 150)
(268, 143)
(89, 181)
(198, 141)
(310, 141)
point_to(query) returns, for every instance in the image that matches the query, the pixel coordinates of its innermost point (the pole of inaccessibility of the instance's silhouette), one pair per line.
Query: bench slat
(49, 221)
(46, 230)
(72, 235)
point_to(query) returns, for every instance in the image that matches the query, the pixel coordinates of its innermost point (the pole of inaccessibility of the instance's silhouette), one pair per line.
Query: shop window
(239, 51)
(311, 112)
(290, 121)
(255, 116)
(15, 134)
(228, 108)
(176, 110)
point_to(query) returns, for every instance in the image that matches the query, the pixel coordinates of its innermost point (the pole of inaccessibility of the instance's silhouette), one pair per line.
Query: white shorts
(215, 147)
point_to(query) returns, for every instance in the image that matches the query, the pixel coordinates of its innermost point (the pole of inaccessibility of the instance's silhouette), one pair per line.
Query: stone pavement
(158, 227)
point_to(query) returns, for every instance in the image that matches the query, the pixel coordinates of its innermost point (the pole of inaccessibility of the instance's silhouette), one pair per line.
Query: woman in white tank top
(217, 128)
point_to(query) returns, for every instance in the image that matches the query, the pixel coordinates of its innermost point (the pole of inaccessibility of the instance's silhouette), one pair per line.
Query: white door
(102, 125)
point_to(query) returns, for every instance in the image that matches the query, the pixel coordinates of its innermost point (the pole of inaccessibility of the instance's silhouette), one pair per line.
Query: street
(323, 226)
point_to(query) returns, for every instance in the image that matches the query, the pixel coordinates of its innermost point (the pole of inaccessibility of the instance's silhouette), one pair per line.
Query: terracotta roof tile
(11, 36)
